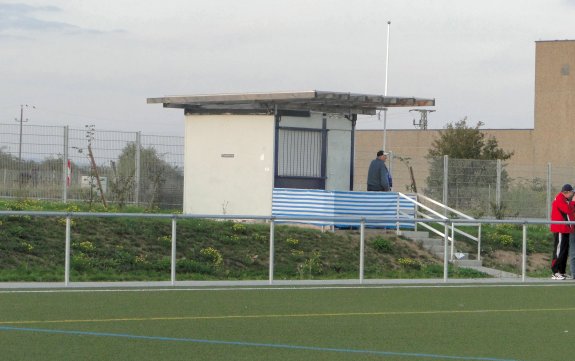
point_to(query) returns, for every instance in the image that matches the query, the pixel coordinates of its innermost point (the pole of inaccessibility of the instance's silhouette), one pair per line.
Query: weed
(212, 256)
(239, 228)
(292, 241)
(25, 247)
(409, 263)
(311, 266)
(85, 246)
(382, 245)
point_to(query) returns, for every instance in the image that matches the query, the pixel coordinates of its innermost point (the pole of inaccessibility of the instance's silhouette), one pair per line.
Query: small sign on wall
(228, 155)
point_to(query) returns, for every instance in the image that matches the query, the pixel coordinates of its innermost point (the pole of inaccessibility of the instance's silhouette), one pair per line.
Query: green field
(474, 322)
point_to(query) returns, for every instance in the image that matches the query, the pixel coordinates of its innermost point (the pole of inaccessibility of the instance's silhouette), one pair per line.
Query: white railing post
(524, 255)
(452, 240)
(173, 255)
(479, 242)
(361, 249)
(445, 245)
(272, 240)
(67, 251)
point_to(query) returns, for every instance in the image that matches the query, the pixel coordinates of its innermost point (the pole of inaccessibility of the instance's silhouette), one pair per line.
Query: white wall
(229, 164)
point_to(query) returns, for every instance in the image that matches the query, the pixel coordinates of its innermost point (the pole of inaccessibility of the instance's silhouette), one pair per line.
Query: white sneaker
(568, 277)
(558, 276)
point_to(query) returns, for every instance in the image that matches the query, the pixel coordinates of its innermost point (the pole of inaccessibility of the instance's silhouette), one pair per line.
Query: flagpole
(385, 89)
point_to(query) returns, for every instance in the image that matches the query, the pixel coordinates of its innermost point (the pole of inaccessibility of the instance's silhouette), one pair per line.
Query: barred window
(299, 153)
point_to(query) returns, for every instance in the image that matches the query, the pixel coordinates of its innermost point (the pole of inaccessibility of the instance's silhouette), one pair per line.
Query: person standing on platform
(378, 175)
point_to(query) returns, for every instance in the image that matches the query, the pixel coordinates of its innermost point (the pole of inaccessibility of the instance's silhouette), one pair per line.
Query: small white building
(239, 147)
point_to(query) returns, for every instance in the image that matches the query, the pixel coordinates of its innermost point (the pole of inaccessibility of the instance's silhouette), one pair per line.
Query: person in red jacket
(561, 210)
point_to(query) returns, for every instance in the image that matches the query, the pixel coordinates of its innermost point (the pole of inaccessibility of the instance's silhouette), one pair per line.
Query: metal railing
(428, 213)
(362, 221)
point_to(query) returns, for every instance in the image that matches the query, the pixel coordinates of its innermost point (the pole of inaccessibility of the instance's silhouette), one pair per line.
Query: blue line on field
(249, 344)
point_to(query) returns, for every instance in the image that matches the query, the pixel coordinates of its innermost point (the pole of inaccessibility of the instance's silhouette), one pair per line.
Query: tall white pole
(387, 56)
(385, 89)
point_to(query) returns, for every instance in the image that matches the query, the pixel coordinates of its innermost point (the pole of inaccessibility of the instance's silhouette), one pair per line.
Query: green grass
(125, 249)
(353, 323)
(116, 249)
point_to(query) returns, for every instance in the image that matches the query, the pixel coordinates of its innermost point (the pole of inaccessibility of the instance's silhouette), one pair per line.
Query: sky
(79, 62)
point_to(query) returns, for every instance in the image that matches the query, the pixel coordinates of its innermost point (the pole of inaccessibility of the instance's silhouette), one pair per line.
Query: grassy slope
(32, 249)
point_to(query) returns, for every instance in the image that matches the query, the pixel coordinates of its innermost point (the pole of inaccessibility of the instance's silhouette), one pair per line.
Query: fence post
(67, 251)
(137, 168)
(524, 255)
(173, 265)
(65, 165)
(445, 181)
(549, 191)
(498, 185)
(361, 249)
(271, 269)
(445, 245)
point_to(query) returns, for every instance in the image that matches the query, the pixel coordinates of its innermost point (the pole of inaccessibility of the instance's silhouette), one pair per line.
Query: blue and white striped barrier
(292, 202)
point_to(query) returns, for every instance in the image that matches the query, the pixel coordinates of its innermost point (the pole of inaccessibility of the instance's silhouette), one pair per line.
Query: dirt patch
(535, 261)
(538, 261)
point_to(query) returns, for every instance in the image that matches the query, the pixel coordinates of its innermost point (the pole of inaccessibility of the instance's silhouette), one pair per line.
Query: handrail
(421, 205)
(444, 206)
(454, 229)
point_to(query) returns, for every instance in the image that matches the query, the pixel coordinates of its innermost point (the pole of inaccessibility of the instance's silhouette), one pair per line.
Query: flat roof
(311, 100)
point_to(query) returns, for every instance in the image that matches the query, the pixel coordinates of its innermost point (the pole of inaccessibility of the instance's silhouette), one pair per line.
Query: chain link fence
(60, 163)
(480, 188)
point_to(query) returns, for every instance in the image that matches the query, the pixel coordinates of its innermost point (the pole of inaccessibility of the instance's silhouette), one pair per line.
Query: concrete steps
(432, 245)
(435, 246)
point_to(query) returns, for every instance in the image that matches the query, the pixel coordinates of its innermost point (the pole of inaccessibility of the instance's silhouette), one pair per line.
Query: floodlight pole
(385, 89)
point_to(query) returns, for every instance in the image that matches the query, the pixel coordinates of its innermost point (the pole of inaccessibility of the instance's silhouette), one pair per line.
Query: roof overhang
(268, 103)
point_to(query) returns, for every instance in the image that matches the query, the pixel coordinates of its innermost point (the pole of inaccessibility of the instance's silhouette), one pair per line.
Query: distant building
(551, 141)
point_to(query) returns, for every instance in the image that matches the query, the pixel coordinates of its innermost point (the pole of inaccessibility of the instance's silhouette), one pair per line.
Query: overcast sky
(95, 62)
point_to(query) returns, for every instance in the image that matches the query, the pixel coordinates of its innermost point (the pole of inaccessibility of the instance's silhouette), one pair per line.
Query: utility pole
(422, 124)
(22, 120)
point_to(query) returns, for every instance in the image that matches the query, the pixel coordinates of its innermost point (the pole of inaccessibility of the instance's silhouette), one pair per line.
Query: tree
(463, 142)
(470, 170)
(160, 183)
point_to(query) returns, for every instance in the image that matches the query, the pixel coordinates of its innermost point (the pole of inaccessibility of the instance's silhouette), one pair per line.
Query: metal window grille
(299, 153)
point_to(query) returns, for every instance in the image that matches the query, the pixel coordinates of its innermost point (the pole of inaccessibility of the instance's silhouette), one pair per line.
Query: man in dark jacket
(561, 210)
(378, 175)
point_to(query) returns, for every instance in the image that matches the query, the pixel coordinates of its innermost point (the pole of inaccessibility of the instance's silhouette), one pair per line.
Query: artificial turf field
(474, 322)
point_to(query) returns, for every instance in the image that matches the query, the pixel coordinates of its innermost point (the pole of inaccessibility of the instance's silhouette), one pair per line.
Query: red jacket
(562, 210)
